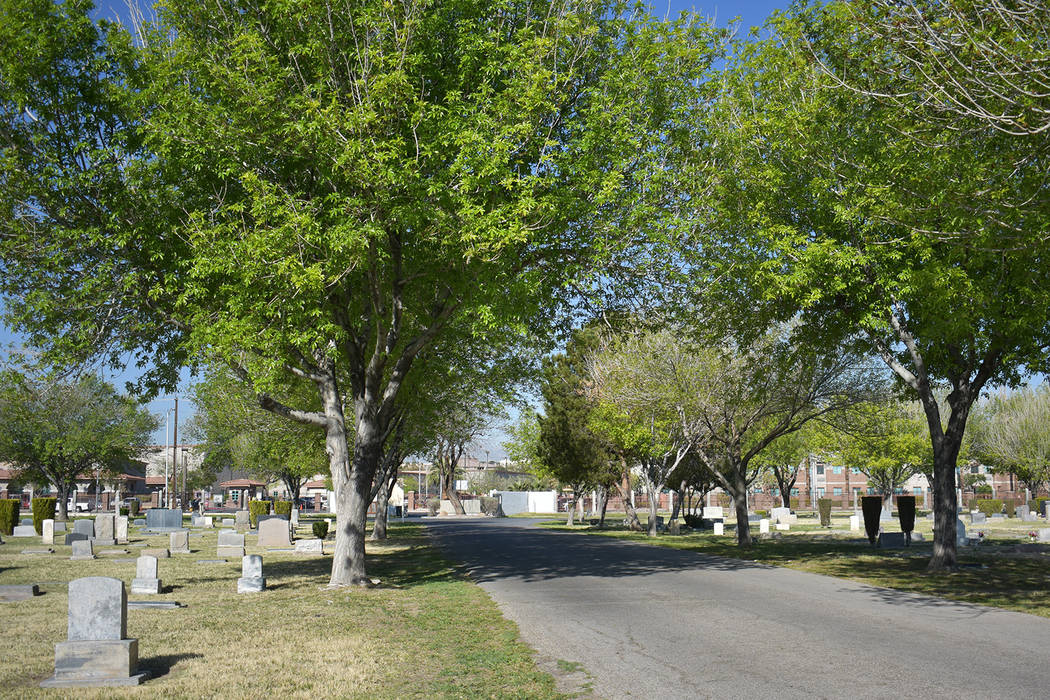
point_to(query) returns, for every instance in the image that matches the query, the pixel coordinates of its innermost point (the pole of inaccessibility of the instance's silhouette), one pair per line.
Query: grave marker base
(96, 664)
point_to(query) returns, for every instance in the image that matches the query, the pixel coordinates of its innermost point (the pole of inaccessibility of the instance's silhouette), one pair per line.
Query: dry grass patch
(425, 632)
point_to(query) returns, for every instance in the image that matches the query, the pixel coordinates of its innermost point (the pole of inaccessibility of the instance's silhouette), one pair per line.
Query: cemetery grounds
(425, 631)
(1003, 569)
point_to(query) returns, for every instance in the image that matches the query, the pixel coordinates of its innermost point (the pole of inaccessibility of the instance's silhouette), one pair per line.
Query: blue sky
(750, 14)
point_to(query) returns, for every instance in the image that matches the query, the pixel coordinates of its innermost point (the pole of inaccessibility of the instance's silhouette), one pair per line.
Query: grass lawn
(424, 632)
(1004, 571)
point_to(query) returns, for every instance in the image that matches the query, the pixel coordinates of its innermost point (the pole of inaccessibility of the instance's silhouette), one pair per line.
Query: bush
(255, 509)
(1010, 508)
(871, 506)
(9, 508)
(320, 529)
(990, 506)
(694, 521)
(762, 513)
(906, 513)
(490, 505)
(824, 506)
(123, 510)
(43, 509)
(283, 508)
(134, 506)
(1036, 505)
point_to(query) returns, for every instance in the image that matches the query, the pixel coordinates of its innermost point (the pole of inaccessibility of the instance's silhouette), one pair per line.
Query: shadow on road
(493, 550)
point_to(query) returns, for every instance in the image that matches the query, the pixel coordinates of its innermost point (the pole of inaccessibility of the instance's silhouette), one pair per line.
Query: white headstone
(47, 528)
(98, 609)
(783, 526)
(251, 580)
(854, 523)
(121, 529)
(720, 529)
(713, 512)
(179, 542)
(763, 526)
(146, 581)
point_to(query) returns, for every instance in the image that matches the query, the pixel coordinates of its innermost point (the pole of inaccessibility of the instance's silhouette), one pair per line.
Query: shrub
(1010, 508)
(43, 509)
(9, 508)
(990, 506)
(134, 505)
(824, 505)
(762, 513)
(320, 528)
(694, 521)
(906, 513)
(490, 505)
(871, 506)
(283, 508)
(255, 509)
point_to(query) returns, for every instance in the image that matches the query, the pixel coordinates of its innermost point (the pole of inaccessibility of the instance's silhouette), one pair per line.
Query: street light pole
(174, 446)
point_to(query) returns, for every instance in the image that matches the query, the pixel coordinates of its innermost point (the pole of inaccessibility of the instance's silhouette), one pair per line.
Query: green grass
(424, 632)
(994, 573)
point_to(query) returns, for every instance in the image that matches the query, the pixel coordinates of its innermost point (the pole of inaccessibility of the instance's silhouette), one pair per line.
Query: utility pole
(174, 448)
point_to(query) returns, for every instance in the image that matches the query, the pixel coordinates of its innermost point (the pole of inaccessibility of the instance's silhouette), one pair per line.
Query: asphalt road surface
(651, 622)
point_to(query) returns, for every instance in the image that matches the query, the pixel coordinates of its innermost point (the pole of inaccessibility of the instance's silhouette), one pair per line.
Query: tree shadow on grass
(160, 666)
(403, 568)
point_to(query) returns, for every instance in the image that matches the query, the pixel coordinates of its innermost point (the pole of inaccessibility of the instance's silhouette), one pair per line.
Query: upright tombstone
(104, 530)
(97, 651)
(251, 580)
(179, 542)
(778, 514)
(82, 549)
(274, 533)
(231, 544)
(163, 519)
(719, 528)
(84, 527)
(960, 533)
(295, 516)
(241, 521)
(854, 523)
(146, 581)
(120, 528)
(763, 526)
(47, 529)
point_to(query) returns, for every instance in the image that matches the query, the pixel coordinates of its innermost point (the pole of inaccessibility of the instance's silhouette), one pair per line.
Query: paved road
(650, 622)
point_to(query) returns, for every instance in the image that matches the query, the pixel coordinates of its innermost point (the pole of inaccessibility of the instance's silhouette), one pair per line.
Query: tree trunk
(352, 482)
(63, 507)
(653, 493)
(572, 510)
(379, 524)
(738, 491)
(448, 489)
(623, 486)
(605, 504)
(945, 513)
(678, 502)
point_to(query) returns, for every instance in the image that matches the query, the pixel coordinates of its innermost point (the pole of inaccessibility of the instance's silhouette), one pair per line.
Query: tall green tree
(54, 429)
(324, 193)
(1015, 436)
(862, 215)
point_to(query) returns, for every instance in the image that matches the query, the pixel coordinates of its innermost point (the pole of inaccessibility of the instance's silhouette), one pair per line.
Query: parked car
(78, 506)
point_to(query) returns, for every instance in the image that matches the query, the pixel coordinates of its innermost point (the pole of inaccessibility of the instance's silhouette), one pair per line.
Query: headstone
(241, 520)
(311, 546)
(775, 514)
(72, 537)
(960, 532)
(97, 652)
(251, 580)
(47, 529)
(10, 594)
(978, 518)
(157, 552)
(763, 526)
(60, 526)
(783, 526)
(1043, 534)
(887, 512)
(274, 533)
(146, 581)
(892, 540)
(37, 550)
(104, 530)
(84, 527)
(139, 522)
(1022, 512)
(227, 522)
(713, 512)
(196, 521)
(120, 529)
(26, 521)
(854, 523)
(753, 517)
(24, 531)
(272, 516)
(1046, 509)
(209, 522)
(163, 519)
(179, 542)
(472, 506)
(720, 529)
(82, 549)
(917, 537)
(231, 544)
